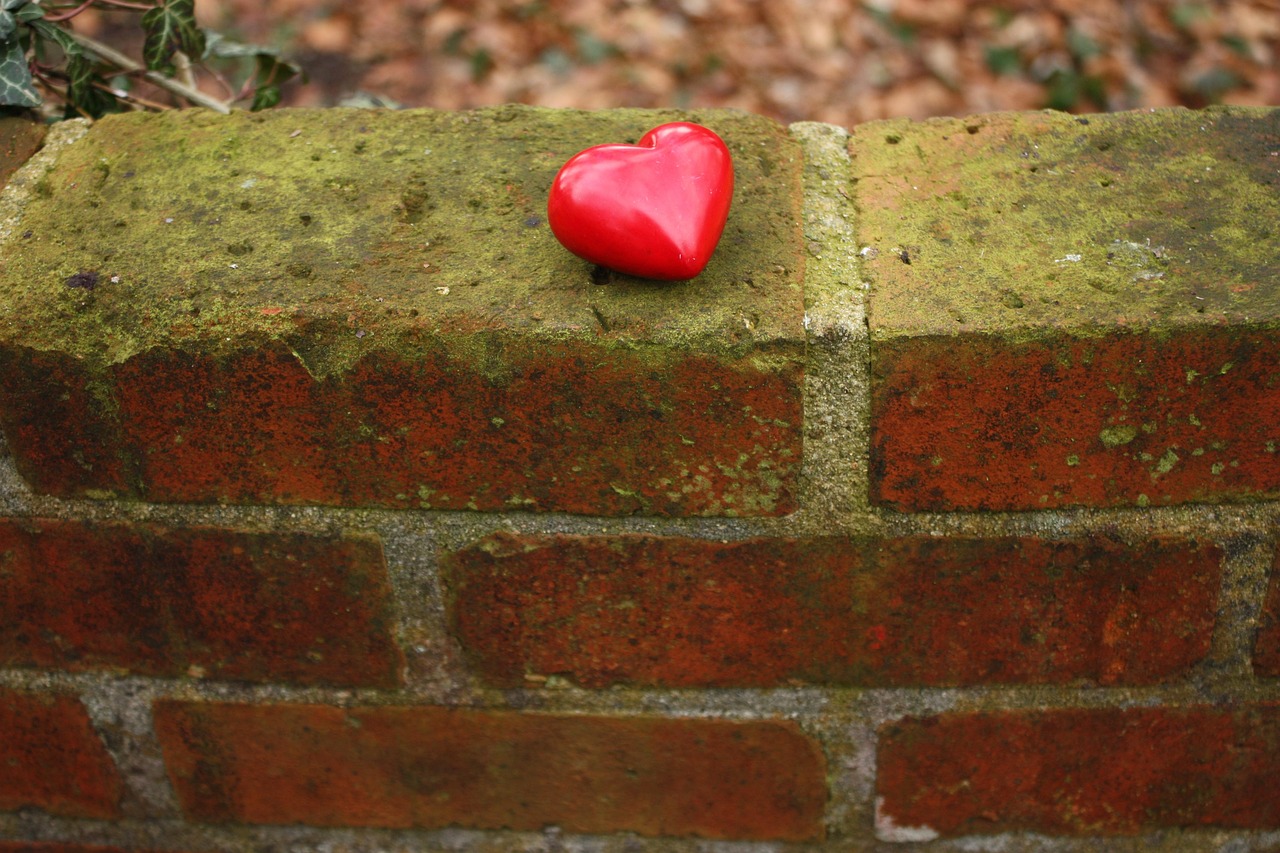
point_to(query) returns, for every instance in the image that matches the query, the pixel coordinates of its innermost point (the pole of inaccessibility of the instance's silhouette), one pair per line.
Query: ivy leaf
(25, 12)
(271, 74)
(265, 97)
(83, 97)
(16, 87)
(270, 71)
(79, 79)
(8, 25)
(59, 36)
(169, 28)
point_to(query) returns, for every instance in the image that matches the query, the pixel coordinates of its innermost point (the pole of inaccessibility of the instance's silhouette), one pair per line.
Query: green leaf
(8, 25)
(169, 28)
(96, 101)
(16, 87)
(218, 45)
(27, 12)
(265, 97)
(79, 78)
(271, 73)
(59, 36)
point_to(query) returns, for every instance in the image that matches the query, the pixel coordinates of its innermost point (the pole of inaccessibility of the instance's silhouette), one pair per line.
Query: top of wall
(1010, 221)
(193, 226)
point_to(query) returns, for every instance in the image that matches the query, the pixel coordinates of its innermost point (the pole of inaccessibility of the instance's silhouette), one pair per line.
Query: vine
(44, 62)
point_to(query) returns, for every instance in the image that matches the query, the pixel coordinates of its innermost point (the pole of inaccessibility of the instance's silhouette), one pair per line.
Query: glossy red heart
(655, 209)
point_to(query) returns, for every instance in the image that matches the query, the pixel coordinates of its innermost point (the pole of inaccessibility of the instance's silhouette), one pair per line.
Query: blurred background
(826, 60)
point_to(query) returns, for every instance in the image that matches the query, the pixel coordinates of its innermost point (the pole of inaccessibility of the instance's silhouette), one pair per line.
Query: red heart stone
(655, 209)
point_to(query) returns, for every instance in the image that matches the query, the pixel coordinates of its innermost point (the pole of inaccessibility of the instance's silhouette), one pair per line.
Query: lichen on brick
(213, 227)
(1020, 220)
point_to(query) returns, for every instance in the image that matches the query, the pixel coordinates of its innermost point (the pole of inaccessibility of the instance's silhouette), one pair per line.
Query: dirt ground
(825, 60)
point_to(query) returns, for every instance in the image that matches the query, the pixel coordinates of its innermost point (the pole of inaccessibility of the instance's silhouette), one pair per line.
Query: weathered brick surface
(435, 767)
(372, 312)
(201, 601)
(1080, 771)
(1061, 316)
(62, 847)
(1266, 650)
(764, 612)
(52, 759)
(19, 139)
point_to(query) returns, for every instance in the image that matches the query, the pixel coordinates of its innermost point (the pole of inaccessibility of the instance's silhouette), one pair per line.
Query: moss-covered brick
(1072, 310)
(679, 612)
(52, 759)
(366, 308)
(402, 767)
(202, 602)
(1105, 771)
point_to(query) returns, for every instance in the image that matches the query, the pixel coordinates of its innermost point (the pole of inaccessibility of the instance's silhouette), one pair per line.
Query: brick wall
(341, 509)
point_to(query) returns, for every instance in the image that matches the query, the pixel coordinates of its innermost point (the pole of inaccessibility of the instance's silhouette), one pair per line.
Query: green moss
(1154, 219)
(345, 230)
(1117, 436)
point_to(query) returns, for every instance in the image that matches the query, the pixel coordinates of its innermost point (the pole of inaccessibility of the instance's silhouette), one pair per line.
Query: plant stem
(66, 16)
(124, 63)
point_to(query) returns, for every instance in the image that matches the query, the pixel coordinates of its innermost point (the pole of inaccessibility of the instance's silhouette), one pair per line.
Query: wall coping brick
(1016, 221)
(323, 251)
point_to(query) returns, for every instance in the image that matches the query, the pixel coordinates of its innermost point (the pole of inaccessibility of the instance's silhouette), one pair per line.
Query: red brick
(1071, 312)
(217, 603)
(19, 139)
(568, 428)
(53, 759)
(975, 422)
(1266, 650)
(410, 335)
(764, 612)
(64, 441)
(1079, 771)
(437, 767)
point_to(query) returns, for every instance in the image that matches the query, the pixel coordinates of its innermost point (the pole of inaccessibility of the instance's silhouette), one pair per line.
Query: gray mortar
(833, 502)
(834, 475)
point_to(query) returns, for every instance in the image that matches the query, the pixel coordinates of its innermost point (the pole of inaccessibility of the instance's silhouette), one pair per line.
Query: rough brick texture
(206, 602)
(59, 847)
(1079, 771)
(1060, 316)
(1266, 650)
(764, 612)
(53, 760)
(435, 767)
(373, 312)
(19, 139)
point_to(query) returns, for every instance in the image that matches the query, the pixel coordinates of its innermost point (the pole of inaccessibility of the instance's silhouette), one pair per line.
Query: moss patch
(1012, 221)
(205, 230)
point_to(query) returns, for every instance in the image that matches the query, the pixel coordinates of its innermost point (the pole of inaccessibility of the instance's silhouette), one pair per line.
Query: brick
(1266, 650)
(53, 759)
(371, 311)
(436, 767)
(209, 602)
(1079, 772)
(19, 139)
(1072, 311)
(670, 611)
